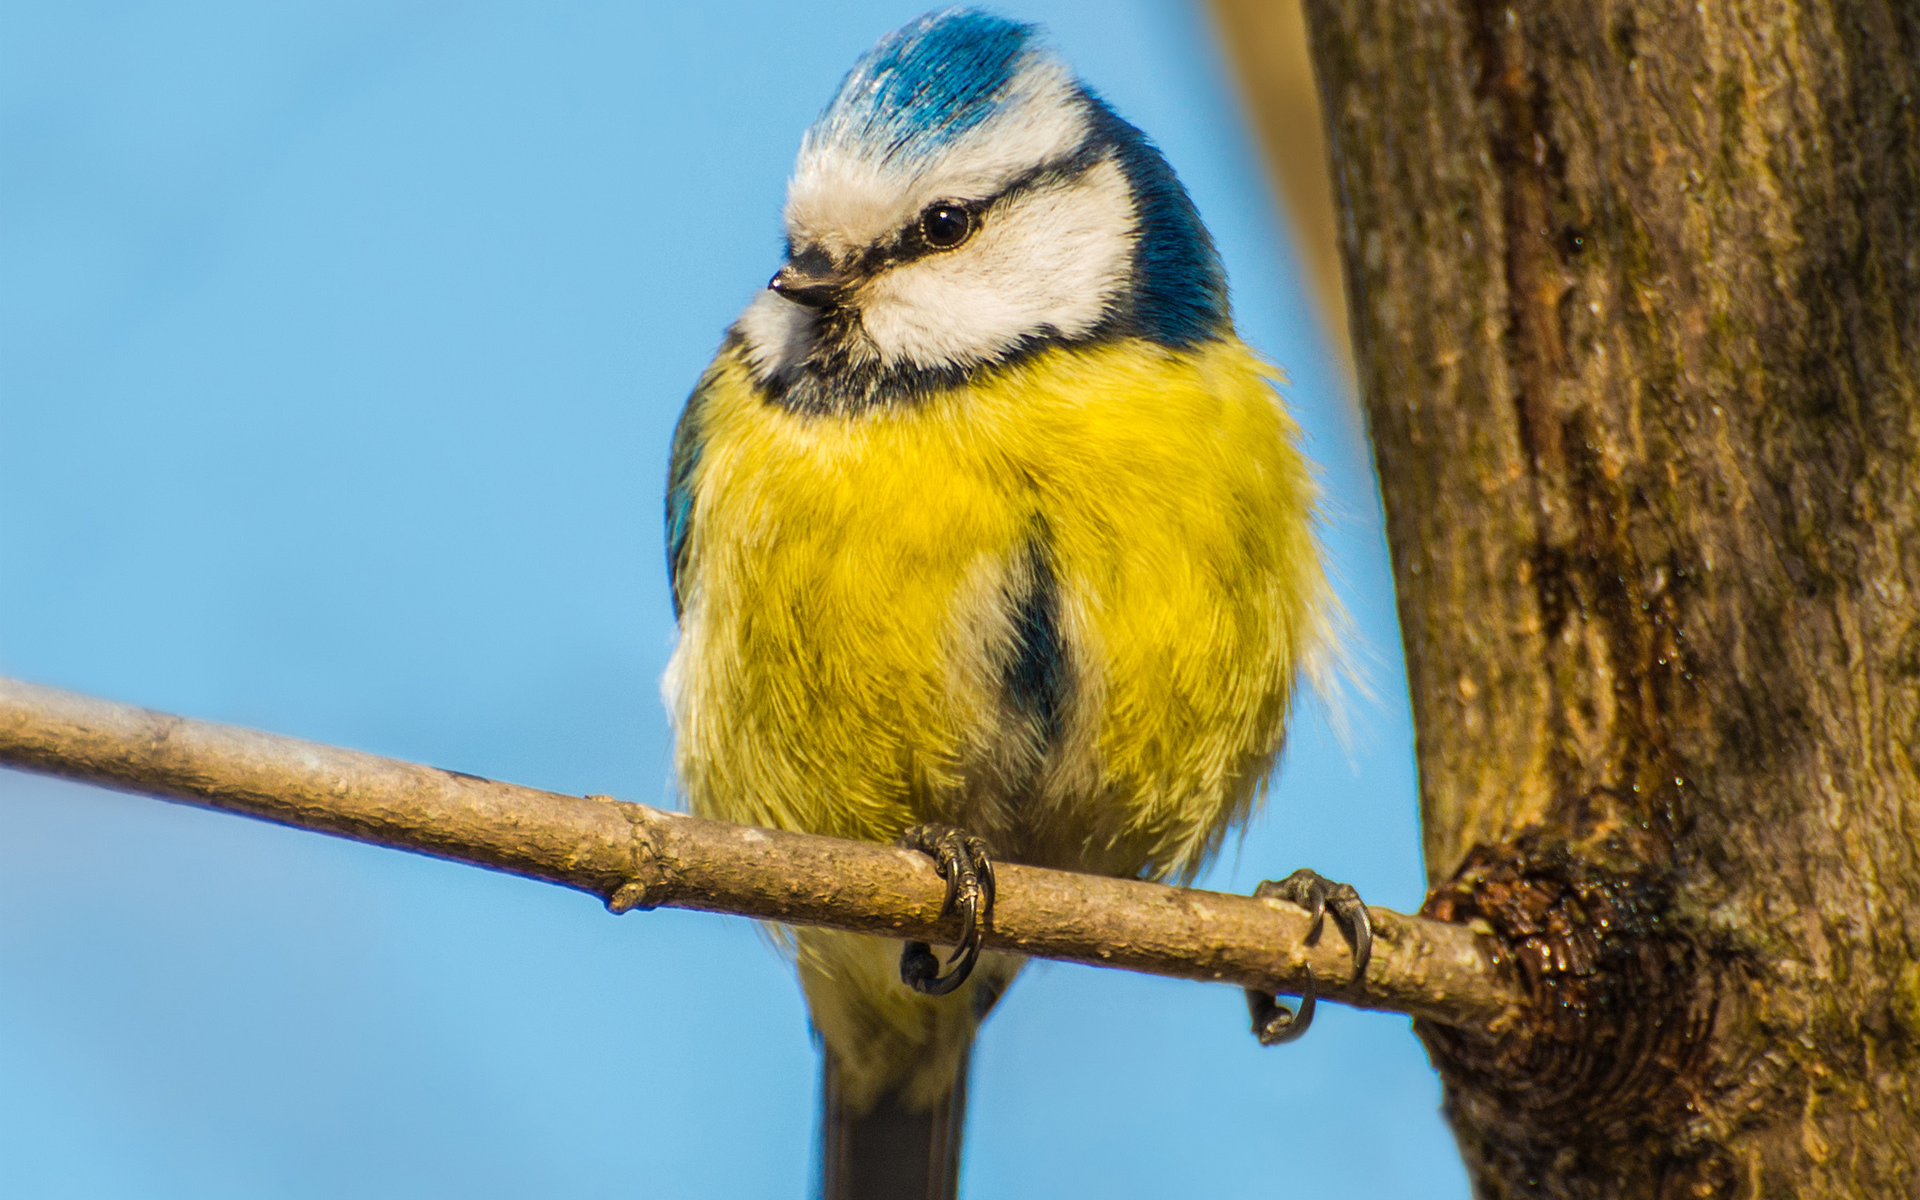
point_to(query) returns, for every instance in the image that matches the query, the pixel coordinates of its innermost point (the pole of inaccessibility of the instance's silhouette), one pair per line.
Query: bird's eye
(945, 226)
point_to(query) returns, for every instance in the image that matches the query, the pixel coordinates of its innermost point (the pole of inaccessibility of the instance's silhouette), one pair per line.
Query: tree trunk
(1636, 309)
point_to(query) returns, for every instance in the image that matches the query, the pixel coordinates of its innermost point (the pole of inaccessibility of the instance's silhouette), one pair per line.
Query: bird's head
(963, 201)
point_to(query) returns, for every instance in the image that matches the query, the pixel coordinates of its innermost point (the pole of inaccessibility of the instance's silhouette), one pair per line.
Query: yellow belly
(845, 594)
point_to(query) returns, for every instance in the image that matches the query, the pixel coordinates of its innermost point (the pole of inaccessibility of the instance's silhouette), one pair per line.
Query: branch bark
(635, 857)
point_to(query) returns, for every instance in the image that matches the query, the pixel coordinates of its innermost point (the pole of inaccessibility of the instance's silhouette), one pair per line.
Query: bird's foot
(965, 863)
(1273, 1022)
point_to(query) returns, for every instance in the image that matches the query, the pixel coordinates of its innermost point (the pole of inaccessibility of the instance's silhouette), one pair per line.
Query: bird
(987, 536)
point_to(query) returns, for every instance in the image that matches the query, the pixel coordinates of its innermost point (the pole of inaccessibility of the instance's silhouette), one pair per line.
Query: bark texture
(1636, 308)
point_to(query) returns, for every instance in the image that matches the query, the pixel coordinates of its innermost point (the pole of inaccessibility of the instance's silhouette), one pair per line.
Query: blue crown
(925, 84)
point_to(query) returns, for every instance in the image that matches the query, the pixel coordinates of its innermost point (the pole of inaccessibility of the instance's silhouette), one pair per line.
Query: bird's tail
(893, 1096)
(891, 1150)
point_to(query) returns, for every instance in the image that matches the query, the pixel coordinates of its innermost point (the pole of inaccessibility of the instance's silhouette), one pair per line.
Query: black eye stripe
(911, 243)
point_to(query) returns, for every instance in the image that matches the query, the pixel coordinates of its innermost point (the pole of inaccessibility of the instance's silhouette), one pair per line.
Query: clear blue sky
(339, 347)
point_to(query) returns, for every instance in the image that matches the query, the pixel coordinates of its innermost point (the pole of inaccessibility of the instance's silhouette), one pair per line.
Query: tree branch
(632, 856)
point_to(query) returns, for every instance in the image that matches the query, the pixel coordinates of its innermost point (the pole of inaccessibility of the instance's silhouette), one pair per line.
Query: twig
(632, 856)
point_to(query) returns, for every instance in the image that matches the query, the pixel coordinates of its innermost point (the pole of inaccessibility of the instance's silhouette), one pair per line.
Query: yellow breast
(847, 582)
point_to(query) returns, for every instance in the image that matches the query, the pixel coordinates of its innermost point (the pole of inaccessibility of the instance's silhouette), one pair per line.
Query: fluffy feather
(846, 639)
(837, 663)
(1013, 535)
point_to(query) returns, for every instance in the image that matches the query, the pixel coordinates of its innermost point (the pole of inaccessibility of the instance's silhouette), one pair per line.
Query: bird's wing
(687, 441)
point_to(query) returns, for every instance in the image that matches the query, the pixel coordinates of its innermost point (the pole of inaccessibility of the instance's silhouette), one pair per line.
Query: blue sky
(339, 348)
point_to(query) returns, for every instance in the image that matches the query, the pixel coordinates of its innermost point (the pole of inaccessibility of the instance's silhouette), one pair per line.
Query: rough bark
(635, 857)
(1636, 308)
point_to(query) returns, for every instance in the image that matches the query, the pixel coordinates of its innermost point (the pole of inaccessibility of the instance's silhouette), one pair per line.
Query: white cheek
(777, 333)
(1054, 260)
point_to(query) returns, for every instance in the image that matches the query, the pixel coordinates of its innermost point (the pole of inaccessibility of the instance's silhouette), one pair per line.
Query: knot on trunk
(1608, 1059)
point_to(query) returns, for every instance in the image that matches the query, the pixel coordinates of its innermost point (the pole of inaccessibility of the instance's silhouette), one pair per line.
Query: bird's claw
(964, 861)
(1319, 896)
(1273, 1023)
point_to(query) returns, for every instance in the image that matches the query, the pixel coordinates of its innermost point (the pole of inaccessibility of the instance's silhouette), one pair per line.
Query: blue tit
(982, 519)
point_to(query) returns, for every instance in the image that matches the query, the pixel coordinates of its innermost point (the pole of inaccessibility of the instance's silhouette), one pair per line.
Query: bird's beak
(813, 288)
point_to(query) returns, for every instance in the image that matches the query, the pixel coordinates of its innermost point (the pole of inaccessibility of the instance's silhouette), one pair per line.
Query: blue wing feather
(687, 441)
